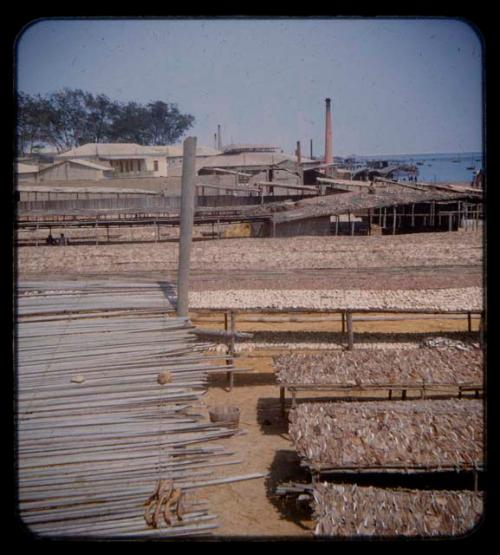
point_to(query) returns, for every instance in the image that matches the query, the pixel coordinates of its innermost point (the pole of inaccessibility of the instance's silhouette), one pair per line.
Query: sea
(438, 168)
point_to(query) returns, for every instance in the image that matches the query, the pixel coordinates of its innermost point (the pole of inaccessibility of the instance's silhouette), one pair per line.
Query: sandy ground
(431, 260)
(250, 509)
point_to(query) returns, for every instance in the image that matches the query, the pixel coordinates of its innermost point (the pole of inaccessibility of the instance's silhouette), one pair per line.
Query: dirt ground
(250, 509)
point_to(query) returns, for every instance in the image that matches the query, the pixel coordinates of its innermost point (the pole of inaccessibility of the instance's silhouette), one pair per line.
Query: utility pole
(186, 224)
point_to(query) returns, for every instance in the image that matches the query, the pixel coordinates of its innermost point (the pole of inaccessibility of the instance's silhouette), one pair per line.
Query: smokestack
(299, 161)
(219, 138)
(311, 149)
(215, 140)
(328, 133)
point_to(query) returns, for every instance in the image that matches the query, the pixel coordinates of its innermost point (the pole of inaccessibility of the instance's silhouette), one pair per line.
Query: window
(155, 163)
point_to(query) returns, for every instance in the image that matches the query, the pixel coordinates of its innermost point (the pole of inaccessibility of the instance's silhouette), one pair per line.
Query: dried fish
(350, 510)
(422, 434)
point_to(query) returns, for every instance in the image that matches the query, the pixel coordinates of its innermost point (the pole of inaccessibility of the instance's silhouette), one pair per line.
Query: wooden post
(413, 215)
(481, 330)
(186, 225)
(282, 400)
(230, 375)
(369, 221)
(449, 221)
(394, 220)
(96, 232)
(343, 321)
(107, 232)
(352, 227)
(385, 218)
(337, 224)
(350, 331)
(469, 321)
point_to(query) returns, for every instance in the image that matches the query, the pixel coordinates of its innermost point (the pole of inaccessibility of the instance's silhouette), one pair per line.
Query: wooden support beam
(232, 329)
(350, 331)
(221, 334)
(282, 400)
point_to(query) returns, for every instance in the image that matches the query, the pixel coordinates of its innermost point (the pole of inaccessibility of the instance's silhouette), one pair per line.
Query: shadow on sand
(285, 467)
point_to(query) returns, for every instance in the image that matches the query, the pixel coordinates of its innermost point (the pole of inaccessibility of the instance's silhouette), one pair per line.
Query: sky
(398, 86)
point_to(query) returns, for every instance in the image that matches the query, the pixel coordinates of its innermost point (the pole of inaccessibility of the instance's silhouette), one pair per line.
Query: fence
(149, 202)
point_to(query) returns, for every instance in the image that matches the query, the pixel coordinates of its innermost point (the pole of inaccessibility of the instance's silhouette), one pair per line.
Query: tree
(101, 112)
(32, 121)
(166, 123)
(68, 121)
(130, 124)
(71, 117)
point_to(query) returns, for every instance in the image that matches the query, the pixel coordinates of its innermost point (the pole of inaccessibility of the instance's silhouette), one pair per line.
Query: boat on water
(470, 168)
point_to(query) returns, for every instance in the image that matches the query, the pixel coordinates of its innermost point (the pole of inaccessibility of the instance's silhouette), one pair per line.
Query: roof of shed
(175, 151)
(247, 159)
(86, 163)
(351, 202)
(26, 168)
(108, 150)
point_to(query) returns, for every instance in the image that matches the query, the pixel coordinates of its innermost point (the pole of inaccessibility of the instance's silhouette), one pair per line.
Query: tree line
(71, 117)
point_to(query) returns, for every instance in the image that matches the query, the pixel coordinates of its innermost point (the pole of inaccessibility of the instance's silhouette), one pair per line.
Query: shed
(68, 170)
(26, 172)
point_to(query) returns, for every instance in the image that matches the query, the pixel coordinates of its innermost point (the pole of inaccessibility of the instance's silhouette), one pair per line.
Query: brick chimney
(328, 134)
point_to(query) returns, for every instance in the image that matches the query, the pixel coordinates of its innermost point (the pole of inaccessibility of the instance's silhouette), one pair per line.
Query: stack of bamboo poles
(36, 297)
(95, 428)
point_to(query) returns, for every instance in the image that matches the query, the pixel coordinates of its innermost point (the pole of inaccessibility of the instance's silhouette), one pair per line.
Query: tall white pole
(186, 224)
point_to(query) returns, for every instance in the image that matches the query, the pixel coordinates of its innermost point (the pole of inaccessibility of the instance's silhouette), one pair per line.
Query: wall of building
(27, 177)
(308, 226)
(157, 165)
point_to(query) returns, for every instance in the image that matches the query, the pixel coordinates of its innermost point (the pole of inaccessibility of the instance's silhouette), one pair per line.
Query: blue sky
(397, 86)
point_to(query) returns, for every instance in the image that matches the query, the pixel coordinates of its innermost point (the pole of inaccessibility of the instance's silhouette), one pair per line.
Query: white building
(126, 159)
